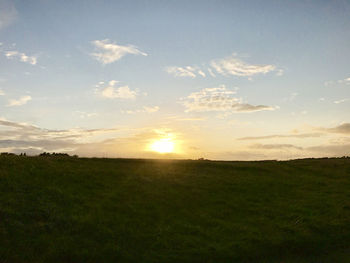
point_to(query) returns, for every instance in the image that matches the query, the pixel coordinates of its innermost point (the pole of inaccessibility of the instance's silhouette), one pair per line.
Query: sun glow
(163, 146)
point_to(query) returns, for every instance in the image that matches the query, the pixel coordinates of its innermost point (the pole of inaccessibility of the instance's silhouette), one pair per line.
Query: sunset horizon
(220, 80)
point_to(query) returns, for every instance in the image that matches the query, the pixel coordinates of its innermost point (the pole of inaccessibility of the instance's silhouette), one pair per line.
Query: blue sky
(112, 77)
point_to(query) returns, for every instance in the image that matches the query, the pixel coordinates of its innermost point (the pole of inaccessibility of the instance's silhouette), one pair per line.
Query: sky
(222, 80)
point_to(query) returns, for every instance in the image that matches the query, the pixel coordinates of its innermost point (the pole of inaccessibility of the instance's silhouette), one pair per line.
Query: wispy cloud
(219, 99)
(279, 136)
(234, 66)
(19, 102)
(341, 101)
(21, 57)
(181, 72)
(151, 109)
(328, 83)
(328, 150)
(226, 67)
(293, 96)
(280, 72)
(84, 115)
(23, 137)
(345, 81)
(342, 128)
(32, 132)
(8, 13)
(188, 71)
(110, 91)
(200, 72)
(324, 150)
(2, 93)
(211, 72)
(277, 146)
(108, 52)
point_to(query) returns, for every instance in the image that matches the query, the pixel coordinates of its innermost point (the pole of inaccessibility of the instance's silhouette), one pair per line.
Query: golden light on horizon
(163, 146)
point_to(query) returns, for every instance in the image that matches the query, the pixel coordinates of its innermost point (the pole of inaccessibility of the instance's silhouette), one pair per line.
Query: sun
(163, 146)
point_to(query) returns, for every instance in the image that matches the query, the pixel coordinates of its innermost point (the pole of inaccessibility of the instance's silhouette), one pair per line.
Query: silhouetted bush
(47, 154)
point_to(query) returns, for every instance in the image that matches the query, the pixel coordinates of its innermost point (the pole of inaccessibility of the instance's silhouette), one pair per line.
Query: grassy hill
(62, 209)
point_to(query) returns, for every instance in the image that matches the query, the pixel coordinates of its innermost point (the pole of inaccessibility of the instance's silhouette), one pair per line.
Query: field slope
(61, 209)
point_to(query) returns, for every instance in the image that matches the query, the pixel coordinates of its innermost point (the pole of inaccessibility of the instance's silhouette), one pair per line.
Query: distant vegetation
(47, 154)
(123, 210)
(57, 154)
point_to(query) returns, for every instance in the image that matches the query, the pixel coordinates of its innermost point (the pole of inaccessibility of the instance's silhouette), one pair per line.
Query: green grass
(120, 210)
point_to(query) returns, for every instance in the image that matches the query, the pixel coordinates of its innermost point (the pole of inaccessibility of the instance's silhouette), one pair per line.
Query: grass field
(61, 209)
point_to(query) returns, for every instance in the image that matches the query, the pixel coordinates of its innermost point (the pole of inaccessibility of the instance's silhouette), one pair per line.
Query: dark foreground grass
(118, 210)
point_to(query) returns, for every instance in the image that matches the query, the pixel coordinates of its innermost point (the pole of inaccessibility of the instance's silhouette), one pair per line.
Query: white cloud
(219, 99)
(151, 109)
(109, 52)
(21, 101)
(84, 115)
(111, 82)
(2, 93)
(21, 57)
(344, 81)
(201, 73)
(182, 72)
(340, 101)
(8, 13)
(123, 92)
(234, 66)
(112, 92)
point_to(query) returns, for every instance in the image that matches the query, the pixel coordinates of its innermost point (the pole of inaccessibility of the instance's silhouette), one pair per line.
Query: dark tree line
(44, 154)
